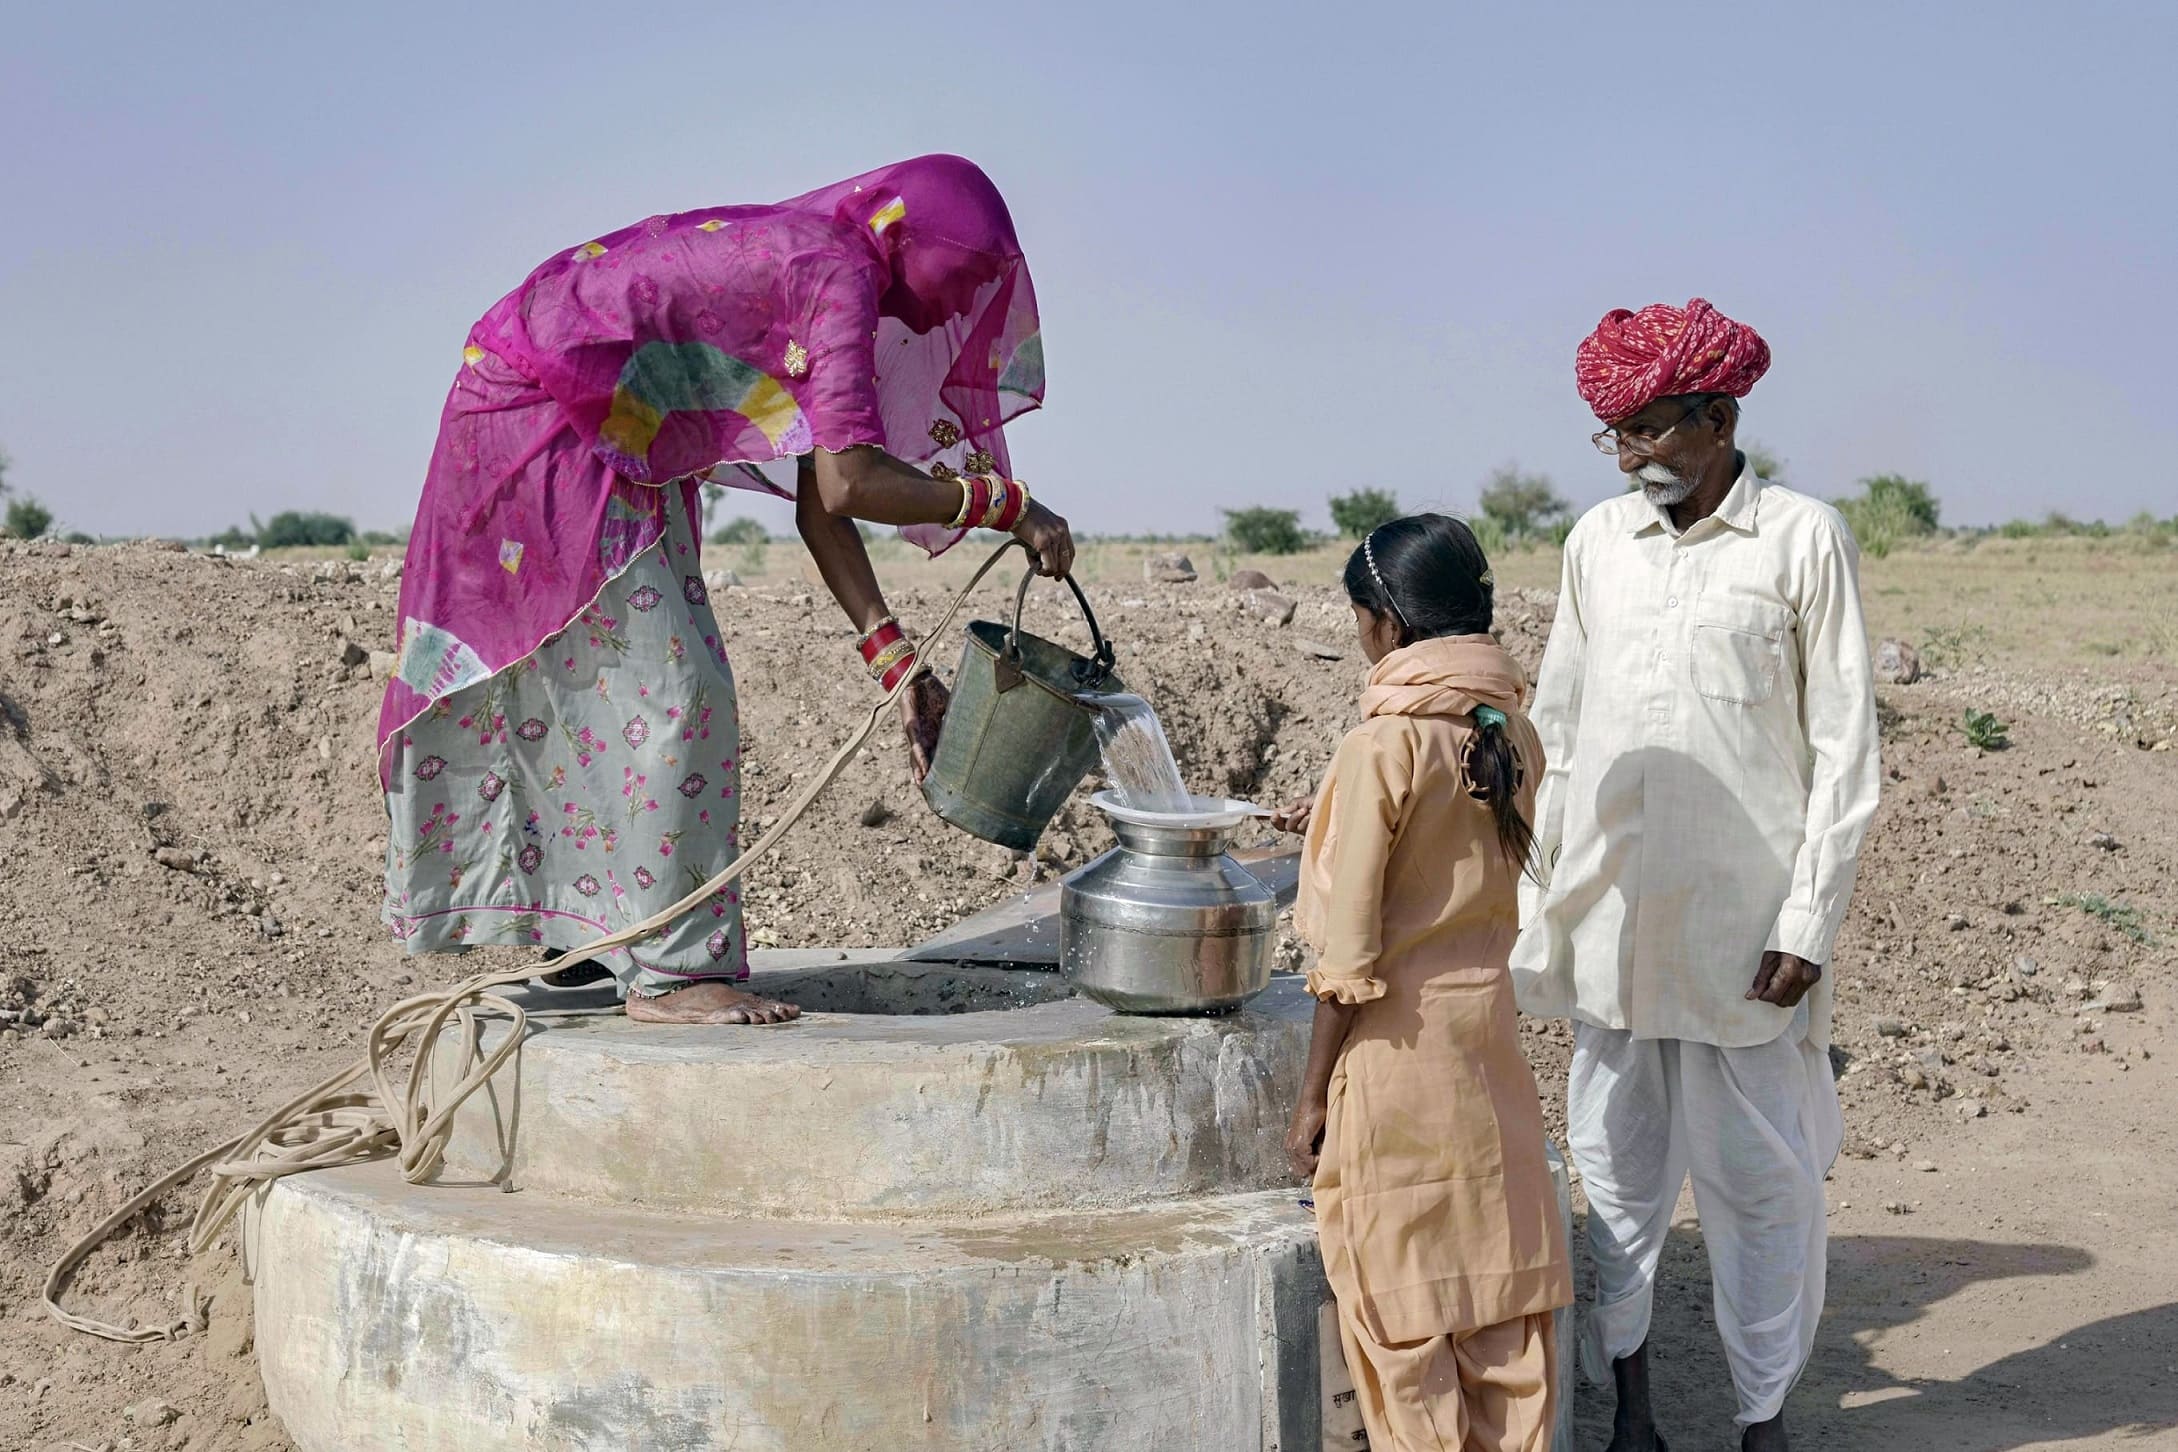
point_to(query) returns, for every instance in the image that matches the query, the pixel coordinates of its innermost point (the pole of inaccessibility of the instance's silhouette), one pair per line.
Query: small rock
(175, 858)
(2104, 841)
(1953, 1032)
(2079, 988)
(1897, 663)
(1169, 569)
(2025, 967)
(270, 927)
(1912, 1078)
(390, 570)
(1926, 1167)
(1972, 1109)
(279, 879)
(153, 1413)
(2093, 1046)
(1957, 922)
(876, 814)
(1317, 649)
(1897, 1207)
(2118, 998)
(1891, 1028)
(381, 663)
(1244, 581)
(1272, 606)
(352, 654)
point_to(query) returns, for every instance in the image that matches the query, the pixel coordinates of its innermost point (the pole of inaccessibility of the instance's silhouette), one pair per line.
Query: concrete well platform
(955, 1207)
(937, 1091)
(392, 1316)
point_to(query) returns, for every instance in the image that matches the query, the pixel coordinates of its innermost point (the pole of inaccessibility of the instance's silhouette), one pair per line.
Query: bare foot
(1765, 1436)
(709, 1002)
(1633, 1428)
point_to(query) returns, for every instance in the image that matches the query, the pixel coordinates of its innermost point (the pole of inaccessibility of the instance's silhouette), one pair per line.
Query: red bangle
(884, 633)
(901, 667)
(1009, 507)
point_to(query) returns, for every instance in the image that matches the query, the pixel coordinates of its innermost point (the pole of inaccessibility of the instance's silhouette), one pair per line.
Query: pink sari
(892, 309)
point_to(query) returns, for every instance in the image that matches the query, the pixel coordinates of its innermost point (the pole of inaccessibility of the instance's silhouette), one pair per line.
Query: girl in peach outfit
(1419, 1119)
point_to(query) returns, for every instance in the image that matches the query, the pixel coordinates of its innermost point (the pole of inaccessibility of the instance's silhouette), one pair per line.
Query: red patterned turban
(1633, 359)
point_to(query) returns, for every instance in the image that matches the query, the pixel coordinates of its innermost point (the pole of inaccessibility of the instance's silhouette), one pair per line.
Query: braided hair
(1428, 573)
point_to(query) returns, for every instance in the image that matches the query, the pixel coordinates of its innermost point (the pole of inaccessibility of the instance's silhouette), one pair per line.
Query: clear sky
(1281, 250)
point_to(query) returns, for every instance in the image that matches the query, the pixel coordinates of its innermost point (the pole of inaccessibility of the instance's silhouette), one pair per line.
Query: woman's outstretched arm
(865, 482)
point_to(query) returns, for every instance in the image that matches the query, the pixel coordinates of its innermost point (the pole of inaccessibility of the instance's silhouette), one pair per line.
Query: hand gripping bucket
(1016, 739)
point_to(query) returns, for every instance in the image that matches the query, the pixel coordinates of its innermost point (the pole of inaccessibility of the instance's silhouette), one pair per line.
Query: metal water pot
(1166, 922)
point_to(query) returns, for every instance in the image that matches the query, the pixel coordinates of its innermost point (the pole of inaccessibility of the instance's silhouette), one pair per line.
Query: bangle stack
(989, 502)
(888, 653)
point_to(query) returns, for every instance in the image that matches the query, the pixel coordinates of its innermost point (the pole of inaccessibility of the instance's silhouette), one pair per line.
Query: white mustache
(1662, 486)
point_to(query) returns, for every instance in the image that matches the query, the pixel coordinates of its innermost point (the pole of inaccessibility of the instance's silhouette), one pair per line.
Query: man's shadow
(2113, 1376)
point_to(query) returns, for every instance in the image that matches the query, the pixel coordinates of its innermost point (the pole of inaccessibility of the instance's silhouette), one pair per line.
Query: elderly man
(1708, 715)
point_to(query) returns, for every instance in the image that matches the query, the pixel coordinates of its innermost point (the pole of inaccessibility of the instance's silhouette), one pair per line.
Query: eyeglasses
(1612, 440)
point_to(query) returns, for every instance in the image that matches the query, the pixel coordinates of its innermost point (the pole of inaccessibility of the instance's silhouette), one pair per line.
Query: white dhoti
(1758, 1128)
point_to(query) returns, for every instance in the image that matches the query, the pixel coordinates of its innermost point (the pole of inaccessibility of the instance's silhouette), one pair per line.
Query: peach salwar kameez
(1434, 1202)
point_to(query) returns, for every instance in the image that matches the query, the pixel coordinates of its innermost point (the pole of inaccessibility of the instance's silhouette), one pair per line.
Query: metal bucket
(1016, 739)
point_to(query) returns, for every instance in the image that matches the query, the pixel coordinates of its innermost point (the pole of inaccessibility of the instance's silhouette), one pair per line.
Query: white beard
(1661, 487)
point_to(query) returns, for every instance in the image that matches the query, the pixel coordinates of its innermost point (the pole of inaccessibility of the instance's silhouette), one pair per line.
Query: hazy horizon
(1280, 254)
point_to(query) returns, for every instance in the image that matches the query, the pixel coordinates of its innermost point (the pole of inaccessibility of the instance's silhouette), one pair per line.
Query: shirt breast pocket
(1739, 647)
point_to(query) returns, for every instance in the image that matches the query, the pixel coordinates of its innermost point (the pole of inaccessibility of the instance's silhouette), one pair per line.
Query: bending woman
(559, 743)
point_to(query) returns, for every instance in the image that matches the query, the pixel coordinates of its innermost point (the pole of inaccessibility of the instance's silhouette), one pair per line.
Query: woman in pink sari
(558, 744)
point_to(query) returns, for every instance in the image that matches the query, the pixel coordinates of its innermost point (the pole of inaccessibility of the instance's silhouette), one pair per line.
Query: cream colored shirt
(1707, 713)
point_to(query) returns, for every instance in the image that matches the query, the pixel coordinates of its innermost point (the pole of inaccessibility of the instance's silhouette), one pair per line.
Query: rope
(332, 1123)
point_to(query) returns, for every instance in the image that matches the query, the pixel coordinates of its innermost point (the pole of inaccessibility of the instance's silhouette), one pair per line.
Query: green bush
(1523, 505)
(1490, 534)
(1364, 510)
(291, 528)
(1261, 531)
(1984, 732)
(27, 518)
(742, 531)
(1889, 510)
(1909, 497)
(359, 551)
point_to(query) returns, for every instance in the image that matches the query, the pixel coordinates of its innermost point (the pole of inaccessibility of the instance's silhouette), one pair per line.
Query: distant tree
(233, 538)
(27, 518)
(742, 531)
(1910, 497)
(1889, 510)
(1362, 511)
(1262, 531)
(1763, 462)
(1523, 505)
(289, 528)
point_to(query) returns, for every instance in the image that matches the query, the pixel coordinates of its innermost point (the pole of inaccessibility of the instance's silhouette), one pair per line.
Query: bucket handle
(1088, 674)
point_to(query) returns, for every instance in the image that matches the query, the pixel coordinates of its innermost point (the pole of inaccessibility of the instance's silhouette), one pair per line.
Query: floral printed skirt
(582, 789)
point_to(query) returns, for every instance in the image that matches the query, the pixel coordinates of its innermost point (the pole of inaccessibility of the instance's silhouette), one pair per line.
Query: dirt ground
(191, 839)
